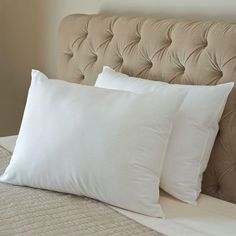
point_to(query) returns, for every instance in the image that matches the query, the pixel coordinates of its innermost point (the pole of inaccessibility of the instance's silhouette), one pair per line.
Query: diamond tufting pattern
(182, 52)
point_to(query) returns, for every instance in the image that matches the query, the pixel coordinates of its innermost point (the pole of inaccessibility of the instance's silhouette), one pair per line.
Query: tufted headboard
(182, 52)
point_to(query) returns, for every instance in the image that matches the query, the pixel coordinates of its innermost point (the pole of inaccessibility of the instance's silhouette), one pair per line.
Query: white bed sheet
(211, 216)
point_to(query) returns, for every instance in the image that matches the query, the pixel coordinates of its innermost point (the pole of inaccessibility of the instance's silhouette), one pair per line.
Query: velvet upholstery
(181, 52)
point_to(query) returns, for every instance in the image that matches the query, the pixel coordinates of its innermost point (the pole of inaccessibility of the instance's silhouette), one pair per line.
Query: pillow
(104, 144)
(194, 131)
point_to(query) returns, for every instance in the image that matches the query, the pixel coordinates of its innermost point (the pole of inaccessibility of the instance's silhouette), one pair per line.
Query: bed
(169, 50)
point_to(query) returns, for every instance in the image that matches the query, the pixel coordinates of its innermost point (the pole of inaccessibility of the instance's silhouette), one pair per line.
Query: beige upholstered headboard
(202, 53)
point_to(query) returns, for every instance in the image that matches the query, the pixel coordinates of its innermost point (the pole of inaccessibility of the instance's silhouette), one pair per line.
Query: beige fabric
(27, 211)
(202, 53)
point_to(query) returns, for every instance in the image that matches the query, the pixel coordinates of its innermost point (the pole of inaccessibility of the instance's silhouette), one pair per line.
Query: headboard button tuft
(95, 58)
(169, 42)
(205, 44)
(138, 39)
(69, 53)
(150, 64)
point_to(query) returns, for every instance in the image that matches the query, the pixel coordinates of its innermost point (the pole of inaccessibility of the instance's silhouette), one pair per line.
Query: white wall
(28, 35)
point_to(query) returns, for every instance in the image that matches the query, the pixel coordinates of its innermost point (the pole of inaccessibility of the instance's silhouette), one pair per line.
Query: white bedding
(211, 216)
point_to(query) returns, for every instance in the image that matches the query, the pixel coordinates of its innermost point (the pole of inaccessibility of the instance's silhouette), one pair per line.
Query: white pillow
(104, 144)
(194, 130)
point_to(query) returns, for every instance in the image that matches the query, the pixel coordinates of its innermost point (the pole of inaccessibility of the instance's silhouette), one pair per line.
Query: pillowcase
(194, 131)
(104, 144)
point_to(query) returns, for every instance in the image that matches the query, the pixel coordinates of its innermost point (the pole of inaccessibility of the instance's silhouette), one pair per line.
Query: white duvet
(212, 217)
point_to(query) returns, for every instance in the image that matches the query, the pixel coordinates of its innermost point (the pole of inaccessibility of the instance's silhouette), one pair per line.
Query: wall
(28, 33)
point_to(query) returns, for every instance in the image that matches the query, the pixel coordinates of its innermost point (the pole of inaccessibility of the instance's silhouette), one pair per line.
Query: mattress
(211, 216)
